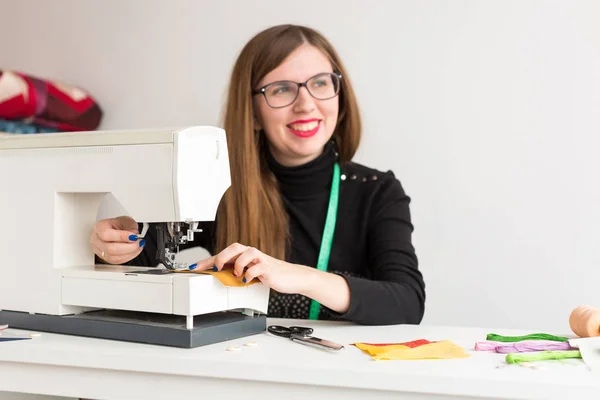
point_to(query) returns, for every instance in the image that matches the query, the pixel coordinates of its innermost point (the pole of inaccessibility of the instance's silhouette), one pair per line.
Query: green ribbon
(328, 232)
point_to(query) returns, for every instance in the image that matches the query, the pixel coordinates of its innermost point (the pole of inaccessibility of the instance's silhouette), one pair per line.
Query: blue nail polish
(193, 266)
(133, 238)
(215, 269)
(142, 242)
(244, 280)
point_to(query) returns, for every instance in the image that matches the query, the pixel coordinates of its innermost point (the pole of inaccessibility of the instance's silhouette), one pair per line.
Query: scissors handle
(287, 332)
(317, 342)
(278, 330)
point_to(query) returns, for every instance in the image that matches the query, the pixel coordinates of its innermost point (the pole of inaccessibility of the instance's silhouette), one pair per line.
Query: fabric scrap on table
(420, 349)
(225, 276)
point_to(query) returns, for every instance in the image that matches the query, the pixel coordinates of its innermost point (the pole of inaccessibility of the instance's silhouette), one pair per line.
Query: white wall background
(487, 111)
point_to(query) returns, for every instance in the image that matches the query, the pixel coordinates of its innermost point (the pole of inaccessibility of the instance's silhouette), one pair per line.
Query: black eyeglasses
(283, 93)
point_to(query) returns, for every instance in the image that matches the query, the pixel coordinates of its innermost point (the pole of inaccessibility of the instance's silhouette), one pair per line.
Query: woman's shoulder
(378, 194)
(360, 173)
(376, 186)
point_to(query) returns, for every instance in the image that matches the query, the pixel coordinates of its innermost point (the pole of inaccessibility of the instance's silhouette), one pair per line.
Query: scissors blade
(317, 342)
(9, 339)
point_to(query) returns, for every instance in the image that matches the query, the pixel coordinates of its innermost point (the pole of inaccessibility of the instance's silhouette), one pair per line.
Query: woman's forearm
(329, 289)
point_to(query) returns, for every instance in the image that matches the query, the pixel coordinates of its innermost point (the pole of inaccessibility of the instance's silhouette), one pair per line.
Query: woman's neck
(291, 161)
(307, 178)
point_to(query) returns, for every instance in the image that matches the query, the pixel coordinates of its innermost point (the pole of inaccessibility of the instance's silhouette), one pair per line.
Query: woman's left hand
(279, 275)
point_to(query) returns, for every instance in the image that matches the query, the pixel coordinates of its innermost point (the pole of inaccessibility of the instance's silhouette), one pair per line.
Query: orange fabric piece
(444, 349)
(225, 276)
(411, 344)
(375, 350)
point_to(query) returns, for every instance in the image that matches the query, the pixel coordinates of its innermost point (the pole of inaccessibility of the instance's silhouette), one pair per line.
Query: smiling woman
(331, 237)
(285, 101)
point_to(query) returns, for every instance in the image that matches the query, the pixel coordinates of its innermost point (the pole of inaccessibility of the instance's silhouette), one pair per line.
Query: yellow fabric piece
(444, 349)
(377, 350)
(225, 276)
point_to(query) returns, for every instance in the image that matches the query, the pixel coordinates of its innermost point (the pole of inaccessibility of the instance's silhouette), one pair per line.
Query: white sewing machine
(52, 186)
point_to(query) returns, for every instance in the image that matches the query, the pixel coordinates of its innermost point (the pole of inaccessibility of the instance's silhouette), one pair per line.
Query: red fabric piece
(411, 344)
(47, 103)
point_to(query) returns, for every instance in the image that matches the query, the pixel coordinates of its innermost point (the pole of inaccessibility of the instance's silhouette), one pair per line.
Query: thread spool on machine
(585, 321)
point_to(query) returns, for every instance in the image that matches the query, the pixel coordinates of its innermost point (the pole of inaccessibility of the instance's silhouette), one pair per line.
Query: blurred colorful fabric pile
(33, 105)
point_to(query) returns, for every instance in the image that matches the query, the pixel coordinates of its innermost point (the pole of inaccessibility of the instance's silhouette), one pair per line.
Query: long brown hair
(252, 211)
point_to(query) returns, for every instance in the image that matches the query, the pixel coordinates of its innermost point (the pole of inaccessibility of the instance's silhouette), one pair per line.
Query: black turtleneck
(372, 246)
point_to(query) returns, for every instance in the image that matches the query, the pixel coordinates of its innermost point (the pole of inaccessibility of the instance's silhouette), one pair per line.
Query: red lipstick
(305, 134)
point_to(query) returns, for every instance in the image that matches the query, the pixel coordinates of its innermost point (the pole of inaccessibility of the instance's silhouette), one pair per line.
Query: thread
(486, 345)
(522, 347)
(514, 358)
(533, 345)
(585, 321)
(532, 336)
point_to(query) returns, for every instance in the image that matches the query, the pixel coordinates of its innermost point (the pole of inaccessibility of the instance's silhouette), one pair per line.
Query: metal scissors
(302, 335)
(12, 338)
(8, 336)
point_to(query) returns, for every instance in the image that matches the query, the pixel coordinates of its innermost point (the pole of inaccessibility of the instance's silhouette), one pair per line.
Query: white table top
(279, 360)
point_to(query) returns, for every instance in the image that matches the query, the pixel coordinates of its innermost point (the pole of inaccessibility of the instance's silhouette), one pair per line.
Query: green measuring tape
(328, 231)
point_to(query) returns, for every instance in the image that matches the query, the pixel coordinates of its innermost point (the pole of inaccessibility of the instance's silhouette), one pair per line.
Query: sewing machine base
(139, 327)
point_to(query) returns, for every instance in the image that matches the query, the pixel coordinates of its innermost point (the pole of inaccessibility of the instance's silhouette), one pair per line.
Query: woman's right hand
(115, 240)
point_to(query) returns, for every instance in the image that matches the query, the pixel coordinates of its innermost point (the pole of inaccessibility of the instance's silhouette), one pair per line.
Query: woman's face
(297, 132)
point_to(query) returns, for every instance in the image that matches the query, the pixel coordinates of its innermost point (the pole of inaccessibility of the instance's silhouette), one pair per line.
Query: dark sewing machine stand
(141, 327)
